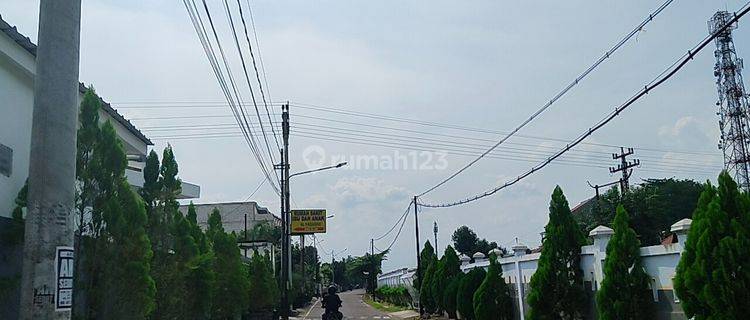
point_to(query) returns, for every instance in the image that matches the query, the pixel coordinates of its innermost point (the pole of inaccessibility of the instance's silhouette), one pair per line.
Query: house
(17, 70)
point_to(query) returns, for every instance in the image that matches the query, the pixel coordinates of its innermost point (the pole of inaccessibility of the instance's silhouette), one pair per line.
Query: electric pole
(47, 278)
(625, 167)
(419, 269)
(435, 231)
(372, 247)
(285, 237)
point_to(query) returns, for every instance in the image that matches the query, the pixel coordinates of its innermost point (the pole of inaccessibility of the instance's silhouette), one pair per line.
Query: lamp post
(286, 251)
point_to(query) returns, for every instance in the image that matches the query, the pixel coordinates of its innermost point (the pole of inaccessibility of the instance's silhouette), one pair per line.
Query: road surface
(352, 307)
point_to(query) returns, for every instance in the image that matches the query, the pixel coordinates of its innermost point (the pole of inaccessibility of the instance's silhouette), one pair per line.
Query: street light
(287, 235)
(339, 165)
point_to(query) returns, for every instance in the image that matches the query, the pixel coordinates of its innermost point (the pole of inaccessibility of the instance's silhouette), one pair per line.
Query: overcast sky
(483, 64)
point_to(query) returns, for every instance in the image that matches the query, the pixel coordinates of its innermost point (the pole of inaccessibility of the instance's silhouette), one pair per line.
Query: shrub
(398, 296)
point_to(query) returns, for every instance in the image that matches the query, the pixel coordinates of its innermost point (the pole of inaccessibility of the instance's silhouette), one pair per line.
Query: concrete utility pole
(285, 238)
(47, 280)
(435, 231)
(624, 167)
(419, 268)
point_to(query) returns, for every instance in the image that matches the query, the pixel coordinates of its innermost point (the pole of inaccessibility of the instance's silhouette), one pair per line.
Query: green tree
(232, 285)
(264, 293)
(447, 268)
(425, 292)
(465, 240)
(557, 285)
(492, 300)
(713, 276)
(466, 289)
(624, 293)
(449, 297)
(425, 257)
(119, 247)
(653, 207)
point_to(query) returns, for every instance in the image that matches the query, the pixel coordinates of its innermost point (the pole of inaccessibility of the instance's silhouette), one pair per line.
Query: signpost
(308, 221)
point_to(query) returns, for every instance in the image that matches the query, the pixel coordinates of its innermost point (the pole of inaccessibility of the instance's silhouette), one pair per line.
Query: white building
(240, 218)
(17, 70)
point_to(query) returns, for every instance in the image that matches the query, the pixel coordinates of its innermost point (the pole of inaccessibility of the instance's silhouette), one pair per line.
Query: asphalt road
(352, 307)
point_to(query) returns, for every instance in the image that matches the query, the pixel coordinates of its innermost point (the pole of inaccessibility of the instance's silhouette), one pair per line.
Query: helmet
(332, 289)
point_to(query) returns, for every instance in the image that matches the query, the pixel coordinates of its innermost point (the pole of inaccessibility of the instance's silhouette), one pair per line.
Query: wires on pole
(665, 75)
(559, 95)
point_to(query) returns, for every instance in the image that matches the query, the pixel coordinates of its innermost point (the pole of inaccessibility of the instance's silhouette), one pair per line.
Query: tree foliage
(557, 285)
(231, 291)
(450, 296)
(713, 276)
(624, 292)
(426, 299)
(264, 294)
(653, 207)
(425, 257)
(447, 268)
(466, 289)
(492, 299)
(468, 243)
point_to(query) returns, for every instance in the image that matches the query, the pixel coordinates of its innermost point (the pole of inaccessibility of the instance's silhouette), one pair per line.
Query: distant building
(240, 218)
(17, 71)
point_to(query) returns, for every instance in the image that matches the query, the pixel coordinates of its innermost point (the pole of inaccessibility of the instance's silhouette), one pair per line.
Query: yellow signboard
(308, 221)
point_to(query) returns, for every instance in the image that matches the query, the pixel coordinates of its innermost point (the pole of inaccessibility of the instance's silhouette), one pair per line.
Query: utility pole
(435, 231)
(372, 247)
(47, 278)
(419, 268)
(302, 258)
(625, 167)
(285, 238)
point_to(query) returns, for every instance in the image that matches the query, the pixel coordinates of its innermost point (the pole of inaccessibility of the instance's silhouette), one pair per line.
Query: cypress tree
(447, 268)
(425, 292)
(466, 288)
(492, 300)
(624, 293)
(450, 296)
(199, 277)
(264, 293)
(231, 291)
(713, 276)
(119, 238)
(557, 285)
(425, 256)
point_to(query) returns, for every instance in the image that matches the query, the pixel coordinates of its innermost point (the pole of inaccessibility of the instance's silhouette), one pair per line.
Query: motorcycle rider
(331, 304)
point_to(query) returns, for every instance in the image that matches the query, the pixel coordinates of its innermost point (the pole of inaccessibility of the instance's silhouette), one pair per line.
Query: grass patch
(382, 306)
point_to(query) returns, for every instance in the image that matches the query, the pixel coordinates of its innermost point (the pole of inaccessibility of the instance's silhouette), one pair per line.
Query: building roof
(29, 46)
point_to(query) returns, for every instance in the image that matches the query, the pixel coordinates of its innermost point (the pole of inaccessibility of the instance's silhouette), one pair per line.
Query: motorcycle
(333, 315)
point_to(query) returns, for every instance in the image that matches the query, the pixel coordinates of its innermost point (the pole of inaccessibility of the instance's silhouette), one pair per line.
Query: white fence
(659, 262)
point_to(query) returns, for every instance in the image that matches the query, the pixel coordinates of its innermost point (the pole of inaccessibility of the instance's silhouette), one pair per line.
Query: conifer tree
(425, 256)
(466, 289)
(492, 300)
(264, 293)
(425, 292)
(447, 268)
(119, 238)
(231, 291)
(557, 285)
(713, 276)
(450, 296)
(624, 292)
(199, 274)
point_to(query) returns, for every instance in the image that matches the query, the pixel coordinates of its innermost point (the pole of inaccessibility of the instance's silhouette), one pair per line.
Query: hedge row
(394, 295)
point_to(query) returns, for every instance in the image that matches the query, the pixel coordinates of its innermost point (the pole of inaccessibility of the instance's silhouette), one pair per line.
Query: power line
(247, 79)
(394, 145)
(660, 79)
(395, 224)
(559, 95)
(255, 66)
(242, 121)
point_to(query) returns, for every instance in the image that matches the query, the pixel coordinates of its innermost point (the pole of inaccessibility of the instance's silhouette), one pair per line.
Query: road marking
(311, 308)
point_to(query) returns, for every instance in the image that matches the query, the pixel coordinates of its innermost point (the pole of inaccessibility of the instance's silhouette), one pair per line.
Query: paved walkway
(352, 307)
